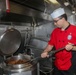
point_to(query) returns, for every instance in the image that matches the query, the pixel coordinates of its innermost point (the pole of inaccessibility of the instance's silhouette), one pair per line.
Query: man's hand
(69, 46)
(44, 55)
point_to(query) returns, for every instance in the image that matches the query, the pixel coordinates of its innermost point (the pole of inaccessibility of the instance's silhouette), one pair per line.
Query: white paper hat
(58, 12)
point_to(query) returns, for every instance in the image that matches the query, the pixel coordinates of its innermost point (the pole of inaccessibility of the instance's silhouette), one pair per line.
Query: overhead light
(73, 12)
(52, 1)
(66, 3)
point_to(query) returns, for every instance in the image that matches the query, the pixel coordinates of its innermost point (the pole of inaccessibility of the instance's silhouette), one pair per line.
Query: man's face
(58, 22)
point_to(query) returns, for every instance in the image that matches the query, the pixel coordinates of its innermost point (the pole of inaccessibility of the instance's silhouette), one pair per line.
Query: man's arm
(45, 52)
(48, 48)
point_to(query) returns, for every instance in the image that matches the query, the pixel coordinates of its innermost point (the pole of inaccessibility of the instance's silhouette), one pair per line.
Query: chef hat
(58, 12)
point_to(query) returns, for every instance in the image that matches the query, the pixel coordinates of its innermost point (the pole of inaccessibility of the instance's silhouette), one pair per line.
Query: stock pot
(22, 67)
(10, 41)
(18, 63)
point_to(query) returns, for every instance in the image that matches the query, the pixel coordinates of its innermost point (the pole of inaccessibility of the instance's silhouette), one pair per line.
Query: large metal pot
(18, 61)
(19, 67)
(9, 43)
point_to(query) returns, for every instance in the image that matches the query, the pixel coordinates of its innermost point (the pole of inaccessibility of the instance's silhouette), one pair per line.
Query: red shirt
(59, 39)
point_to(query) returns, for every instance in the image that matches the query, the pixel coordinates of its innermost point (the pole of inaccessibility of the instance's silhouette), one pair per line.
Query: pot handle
(60, 49)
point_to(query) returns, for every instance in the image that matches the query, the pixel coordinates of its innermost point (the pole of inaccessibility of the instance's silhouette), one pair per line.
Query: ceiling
(41, 3)
(28, 11)
(35, 4)
(34, 10)
(24, 11)
(70, 4)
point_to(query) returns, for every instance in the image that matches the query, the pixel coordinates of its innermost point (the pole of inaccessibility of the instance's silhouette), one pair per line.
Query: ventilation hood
(23, 11)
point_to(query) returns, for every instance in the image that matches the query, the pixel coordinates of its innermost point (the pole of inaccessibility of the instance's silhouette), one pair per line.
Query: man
(62, 36)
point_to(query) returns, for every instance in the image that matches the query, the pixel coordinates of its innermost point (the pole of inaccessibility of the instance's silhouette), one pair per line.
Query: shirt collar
(67, 27)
